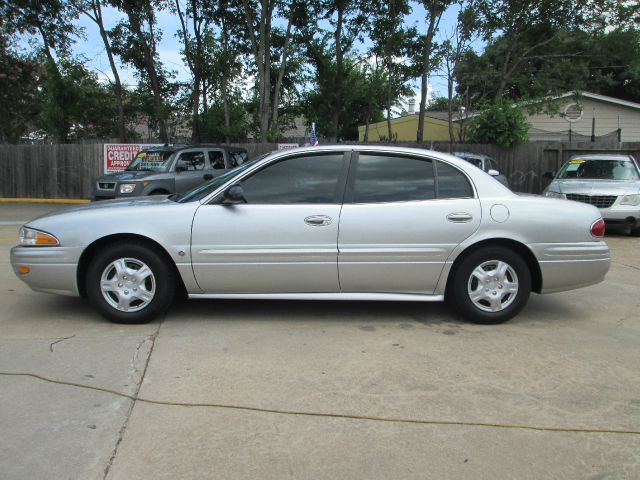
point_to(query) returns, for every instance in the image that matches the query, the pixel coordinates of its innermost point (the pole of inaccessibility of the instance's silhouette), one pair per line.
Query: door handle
(207, 176)
(318, 220)
(460, 217)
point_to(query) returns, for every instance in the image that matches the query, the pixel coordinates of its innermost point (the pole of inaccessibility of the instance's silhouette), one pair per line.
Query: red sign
(117, 156)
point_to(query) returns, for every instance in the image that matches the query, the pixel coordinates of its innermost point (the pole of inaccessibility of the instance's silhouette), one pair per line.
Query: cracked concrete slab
(192, 443)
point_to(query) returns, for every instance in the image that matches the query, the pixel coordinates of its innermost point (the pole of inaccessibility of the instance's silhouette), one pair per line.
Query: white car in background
(609, 182)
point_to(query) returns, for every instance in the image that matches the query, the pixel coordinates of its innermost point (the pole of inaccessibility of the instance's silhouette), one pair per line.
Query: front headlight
(633, 199)
(35, 238)
(127, 187)
(552, 194)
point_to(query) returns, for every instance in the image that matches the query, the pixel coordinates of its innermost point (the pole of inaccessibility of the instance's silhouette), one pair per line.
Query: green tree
(135, 40)
(434, 10)
(75, 105)
(93, 10)
(19, 80)
(358, 105)
(502, 123)
(392, 43)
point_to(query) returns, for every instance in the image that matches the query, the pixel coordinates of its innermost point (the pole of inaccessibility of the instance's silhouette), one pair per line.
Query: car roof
(470, 155)
(604, 156)
(178, 147)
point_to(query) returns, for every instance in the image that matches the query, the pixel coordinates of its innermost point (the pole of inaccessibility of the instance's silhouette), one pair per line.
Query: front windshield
(204, 190)
(599, 169)
(153, 161)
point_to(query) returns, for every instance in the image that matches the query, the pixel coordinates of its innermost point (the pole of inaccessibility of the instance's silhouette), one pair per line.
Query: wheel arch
(92, 249)
(518, 247)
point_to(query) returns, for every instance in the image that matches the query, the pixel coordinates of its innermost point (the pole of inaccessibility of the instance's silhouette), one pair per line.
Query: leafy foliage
(502, 123)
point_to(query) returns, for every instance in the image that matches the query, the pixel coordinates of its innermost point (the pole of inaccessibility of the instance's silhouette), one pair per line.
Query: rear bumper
(569, 266)
(52, 269)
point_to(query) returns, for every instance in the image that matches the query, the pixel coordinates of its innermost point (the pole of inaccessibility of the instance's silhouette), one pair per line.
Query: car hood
(596, 187)
(107, 205)
(123, 176)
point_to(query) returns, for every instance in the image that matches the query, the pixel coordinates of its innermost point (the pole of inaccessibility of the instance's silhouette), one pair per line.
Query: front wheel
(130, 283)
(491, 285)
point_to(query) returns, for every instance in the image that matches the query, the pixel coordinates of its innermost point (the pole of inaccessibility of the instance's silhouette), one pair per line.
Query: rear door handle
(318, 220)
(460, 217)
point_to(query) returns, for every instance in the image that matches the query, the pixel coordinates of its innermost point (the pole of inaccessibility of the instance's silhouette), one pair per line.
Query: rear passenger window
(383, 178)
(452, 183)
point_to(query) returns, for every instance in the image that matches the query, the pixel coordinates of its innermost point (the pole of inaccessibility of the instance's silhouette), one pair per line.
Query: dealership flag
(313, 138)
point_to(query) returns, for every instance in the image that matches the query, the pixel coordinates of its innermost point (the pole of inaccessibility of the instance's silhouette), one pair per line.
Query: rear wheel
(130, 283)
(491, 285)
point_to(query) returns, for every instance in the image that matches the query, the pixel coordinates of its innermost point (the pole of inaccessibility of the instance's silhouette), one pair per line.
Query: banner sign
(117, 156)
(286, 146)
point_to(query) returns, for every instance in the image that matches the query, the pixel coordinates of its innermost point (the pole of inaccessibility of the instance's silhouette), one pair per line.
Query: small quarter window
(452, 183)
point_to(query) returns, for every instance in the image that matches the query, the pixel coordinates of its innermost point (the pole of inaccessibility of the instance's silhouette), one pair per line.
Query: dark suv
(168, 169)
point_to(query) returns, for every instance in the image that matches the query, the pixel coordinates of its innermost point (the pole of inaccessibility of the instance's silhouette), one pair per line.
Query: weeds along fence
(68, 171)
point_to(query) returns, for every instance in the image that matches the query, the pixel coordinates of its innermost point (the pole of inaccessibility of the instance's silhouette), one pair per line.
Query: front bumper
(52, 269)
(626, 215)
(567, 266)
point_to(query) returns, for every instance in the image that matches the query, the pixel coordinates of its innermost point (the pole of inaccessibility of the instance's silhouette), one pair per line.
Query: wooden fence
(68, 171)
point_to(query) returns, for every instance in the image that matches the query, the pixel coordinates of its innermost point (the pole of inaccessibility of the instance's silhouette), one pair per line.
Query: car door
(191, 169)
(284, 239)
(403, 216)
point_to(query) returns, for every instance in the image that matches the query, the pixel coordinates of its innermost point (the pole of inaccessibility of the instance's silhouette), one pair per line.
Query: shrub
(502, 123)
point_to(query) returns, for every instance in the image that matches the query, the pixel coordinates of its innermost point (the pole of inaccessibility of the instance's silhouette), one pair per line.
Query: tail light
(597, 228)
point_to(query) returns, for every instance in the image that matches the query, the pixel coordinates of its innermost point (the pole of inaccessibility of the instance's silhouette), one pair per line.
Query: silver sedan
(333, 223)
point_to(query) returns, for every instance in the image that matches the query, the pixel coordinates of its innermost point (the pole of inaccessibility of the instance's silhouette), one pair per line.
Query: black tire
(511, 304)
(159, 192)
(162, 281)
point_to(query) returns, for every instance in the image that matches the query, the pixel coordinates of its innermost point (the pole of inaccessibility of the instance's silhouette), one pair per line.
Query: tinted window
(452, 183)
(192, 161)
(310, 179)
(382, 178)
(216, 160)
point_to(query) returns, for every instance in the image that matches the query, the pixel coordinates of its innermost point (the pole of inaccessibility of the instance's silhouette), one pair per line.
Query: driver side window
(308, 179)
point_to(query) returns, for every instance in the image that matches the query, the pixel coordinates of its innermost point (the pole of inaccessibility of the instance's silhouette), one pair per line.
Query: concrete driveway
(309, 390)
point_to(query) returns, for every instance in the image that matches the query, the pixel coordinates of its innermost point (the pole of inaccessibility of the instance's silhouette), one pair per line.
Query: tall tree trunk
(283, 63)
(434, 15)
(261, 52)
(339, 72)
(452, 137)
(97, 18)
(366, 125)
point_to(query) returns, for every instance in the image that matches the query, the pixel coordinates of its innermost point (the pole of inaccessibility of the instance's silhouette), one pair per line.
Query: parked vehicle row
(339, 223)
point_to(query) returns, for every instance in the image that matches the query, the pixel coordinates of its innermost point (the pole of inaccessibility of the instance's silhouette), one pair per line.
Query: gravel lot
(332, 390)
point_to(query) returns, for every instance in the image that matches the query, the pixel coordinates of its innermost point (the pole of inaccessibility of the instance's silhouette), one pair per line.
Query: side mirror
(549, 175)
(493, 173)
(234, 194)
